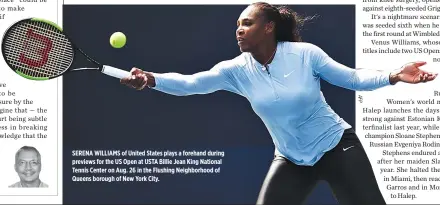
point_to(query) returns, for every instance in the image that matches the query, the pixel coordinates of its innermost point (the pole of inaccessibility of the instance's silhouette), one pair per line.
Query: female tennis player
(280, 76)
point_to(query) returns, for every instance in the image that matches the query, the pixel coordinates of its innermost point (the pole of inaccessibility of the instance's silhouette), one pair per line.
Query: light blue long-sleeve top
(286, 96)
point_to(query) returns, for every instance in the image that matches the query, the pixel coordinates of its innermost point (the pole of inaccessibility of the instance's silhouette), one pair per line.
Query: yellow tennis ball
(118, 40)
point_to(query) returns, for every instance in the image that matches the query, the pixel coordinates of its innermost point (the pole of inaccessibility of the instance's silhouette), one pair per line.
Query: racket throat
(77, 69)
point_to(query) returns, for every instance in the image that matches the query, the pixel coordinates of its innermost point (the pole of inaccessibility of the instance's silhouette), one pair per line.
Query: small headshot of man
(28, 167)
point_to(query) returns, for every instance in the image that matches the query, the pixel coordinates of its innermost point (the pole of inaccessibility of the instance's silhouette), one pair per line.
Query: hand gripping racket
(38, 49)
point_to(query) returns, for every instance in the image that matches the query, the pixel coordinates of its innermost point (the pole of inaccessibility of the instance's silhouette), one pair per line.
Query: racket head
(37, 49)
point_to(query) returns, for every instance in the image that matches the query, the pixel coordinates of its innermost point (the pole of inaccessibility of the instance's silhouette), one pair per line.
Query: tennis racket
(38, 49)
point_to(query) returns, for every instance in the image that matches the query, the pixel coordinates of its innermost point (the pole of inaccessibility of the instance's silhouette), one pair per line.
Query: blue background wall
(99, 113)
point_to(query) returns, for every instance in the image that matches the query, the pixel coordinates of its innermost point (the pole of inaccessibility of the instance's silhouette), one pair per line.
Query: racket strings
(27, 43)
(30, 54)
(32, 46)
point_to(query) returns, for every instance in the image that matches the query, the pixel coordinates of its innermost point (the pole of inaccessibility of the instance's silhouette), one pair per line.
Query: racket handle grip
(115, 72)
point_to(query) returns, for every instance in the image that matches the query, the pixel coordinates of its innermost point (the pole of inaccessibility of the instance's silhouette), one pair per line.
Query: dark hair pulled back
(288, 23)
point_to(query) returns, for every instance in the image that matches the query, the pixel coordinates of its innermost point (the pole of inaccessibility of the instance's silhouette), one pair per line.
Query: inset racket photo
(38, 49)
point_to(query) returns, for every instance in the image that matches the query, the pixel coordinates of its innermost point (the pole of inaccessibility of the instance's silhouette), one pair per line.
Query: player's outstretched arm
(178, 84)
(365, 79)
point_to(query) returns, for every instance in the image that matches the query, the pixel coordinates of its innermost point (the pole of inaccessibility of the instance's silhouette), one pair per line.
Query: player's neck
(35, 183)
(265, 53)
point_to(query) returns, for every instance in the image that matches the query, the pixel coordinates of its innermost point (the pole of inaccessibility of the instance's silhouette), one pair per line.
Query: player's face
(28, 166)
(251, 29)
